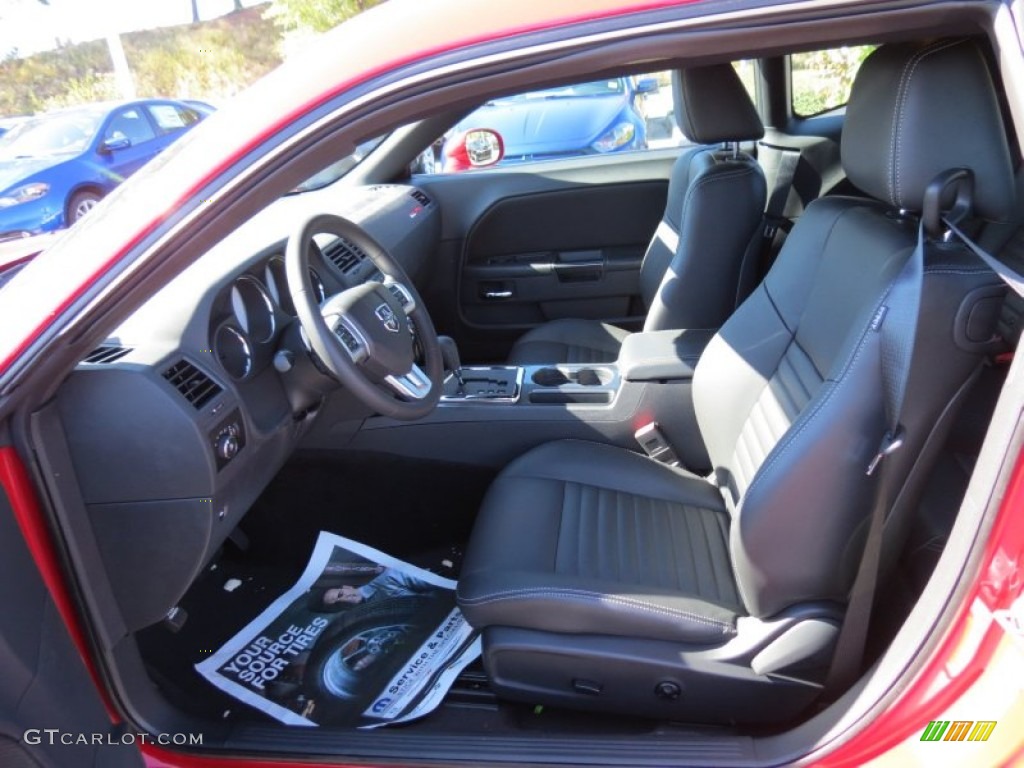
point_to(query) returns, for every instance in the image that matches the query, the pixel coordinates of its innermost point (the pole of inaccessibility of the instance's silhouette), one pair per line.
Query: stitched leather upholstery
(881, 148)
(608, 525)
(789, 401)
(699, 264)
(734, 117)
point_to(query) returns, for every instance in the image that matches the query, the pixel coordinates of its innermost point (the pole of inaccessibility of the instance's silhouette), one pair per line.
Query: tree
(316, 15)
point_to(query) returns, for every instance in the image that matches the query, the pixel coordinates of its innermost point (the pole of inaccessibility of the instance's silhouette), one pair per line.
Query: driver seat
(604, 580)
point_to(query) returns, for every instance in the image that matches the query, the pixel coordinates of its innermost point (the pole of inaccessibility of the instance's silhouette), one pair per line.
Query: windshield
(339, 168)
(61, 134)
(608, 87)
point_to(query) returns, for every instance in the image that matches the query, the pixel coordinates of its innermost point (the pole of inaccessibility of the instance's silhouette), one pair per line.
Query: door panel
(44, 682)
(543, 241)
(570, 253)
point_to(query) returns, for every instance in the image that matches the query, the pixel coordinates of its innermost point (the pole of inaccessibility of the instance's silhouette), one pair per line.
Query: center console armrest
(662, 355)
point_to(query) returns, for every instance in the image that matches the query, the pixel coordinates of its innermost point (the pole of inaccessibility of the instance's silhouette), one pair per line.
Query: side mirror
(647, 85)
(476, 148)
(114, 143)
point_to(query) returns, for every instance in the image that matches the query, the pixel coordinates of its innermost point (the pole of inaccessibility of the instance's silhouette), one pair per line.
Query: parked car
(55, 167)
(597, 117)
(227, 358)
(7, 123)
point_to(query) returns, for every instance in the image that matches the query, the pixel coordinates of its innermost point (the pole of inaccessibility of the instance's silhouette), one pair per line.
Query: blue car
(587, 118)
(55, 167)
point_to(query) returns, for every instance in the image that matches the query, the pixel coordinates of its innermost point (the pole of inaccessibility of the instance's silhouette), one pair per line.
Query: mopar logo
(380, 705)
(387, 316)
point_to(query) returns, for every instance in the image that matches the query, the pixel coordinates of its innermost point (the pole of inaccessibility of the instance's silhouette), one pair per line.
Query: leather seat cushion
(586, 538)
(569, 341)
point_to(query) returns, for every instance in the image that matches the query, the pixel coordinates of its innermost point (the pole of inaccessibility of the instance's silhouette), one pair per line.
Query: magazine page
(361, 639)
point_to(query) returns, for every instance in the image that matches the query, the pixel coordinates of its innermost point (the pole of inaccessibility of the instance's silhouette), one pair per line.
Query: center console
(489, 415)
(535, 384)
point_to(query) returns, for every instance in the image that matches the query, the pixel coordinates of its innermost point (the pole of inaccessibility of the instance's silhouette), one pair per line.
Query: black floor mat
(418, 511)
(405, 507)
(214, 616)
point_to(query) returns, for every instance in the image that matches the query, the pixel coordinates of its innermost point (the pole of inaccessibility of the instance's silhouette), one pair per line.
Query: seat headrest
(916, 111)
(712, 106)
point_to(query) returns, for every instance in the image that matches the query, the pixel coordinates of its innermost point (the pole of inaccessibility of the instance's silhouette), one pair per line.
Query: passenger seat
(701, 263)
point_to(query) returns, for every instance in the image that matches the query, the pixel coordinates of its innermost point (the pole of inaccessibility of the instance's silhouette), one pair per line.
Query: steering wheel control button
(347, 338)
(401, 293)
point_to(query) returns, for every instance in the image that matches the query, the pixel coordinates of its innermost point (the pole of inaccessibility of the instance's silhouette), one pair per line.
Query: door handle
(579, 271)
(496, 295)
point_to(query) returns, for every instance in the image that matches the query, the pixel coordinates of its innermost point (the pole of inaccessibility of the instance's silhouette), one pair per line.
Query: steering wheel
(364, 335)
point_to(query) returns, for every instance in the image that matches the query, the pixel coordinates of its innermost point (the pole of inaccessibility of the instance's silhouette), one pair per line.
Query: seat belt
(773, 219)
(900, 309)
(896, 320)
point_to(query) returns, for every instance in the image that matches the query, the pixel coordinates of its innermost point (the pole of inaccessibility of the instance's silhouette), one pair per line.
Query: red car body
(971, 667)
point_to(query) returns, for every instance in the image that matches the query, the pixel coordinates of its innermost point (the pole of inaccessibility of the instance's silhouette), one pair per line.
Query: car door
(559, 228)
(128, 141)
(50, 711)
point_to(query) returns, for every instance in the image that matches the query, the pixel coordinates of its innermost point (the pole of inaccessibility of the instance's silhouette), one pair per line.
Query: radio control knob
(227, 446)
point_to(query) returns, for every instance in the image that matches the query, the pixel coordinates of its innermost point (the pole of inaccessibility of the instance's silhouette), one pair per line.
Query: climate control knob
(227, 446)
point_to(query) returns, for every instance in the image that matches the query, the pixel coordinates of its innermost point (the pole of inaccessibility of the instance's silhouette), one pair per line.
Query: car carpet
(419, 511)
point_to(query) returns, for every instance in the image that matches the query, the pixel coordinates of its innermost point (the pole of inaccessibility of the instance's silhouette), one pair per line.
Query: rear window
(821, 80)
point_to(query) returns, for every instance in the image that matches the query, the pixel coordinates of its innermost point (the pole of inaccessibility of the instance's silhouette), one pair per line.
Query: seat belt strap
(896, 351)
(788, 162)
(1013, 279)
(774, 218)
(896, 320)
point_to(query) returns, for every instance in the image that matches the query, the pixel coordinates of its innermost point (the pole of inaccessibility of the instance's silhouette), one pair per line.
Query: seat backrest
(788, 394)
(702, 260)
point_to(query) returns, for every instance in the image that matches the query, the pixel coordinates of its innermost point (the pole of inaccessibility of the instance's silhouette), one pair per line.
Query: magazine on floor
(361, 639)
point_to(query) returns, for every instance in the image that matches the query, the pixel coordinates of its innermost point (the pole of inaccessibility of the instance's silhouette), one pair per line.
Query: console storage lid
(662, 355)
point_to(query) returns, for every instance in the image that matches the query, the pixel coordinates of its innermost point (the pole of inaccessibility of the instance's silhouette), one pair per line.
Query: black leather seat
(602, 579)
(700, 264)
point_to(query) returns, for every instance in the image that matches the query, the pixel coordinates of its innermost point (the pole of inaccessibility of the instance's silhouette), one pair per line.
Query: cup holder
(593, 377)
(586, 377)
(550, 377)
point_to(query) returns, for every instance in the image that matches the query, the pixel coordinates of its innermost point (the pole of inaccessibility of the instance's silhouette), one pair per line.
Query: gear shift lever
(450, 356)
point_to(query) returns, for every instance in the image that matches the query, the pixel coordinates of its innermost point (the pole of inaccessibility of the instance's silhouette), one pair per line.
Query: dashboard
(178, 421)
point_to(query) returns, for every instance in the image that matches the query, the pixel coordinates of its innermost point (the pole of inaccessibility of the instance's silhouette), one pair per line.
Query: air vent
(420, 196)
(194, 385)
(344, 255)
(106, 354)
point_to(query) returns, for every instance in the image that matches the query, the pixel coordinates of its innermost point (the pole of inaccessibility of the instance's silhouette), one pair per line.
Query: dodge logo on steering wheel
(387, 316)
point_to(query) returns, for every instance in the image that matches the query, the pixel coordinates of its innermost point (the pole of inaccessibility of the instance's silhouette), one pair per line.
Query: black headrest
(712, 106)
(916, 111)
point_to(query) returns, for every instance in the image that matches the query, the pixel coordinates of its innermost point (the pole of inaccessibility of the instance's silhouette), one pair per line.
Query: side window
(598, 117)
(746, 70)
(130, 124)
(821, 80)
(170, 117)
